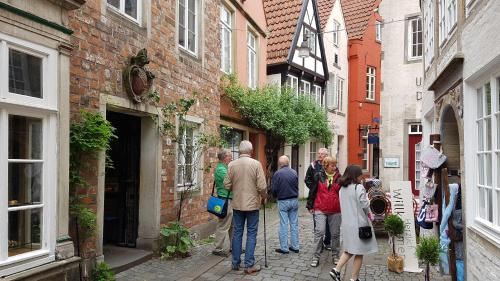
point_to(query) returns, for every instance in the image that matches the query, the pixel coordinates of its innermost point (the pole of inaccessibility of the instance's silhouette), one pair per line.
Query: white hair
(222, 153)
(323, 150)
(245, 147)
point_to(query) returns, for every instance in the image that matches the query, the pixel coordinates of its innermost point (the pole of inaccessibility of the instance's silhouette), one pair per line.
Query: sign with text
(402, 205)
(391, 162)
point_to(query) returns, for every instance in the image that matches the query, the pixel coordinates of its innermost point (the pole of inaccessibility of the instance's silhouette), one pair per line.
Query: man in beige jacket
(246, 179)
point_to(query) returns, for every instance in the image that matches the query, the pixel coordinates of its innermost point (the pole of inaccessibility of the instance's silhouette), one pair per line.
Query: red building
(364, 51)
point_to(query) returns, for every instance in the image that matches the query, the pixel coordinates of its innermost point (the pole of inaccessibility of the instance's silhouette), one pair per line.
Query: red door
(414, 161)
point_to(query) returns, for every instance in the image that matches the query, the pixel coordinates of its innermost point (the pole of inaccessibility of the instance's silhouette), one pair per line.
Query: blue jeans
(252, 220)
(289, 211)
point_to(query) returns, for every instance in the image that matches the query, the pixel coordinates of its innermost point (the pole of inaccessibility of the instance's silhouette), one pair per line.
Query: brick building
(140, 194)
(243, 52)
(364, 51)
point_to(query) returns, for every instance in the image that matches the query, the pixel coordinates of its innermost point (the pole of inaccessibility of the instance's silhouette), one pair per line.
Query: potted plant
(428, 253)
(395, 227)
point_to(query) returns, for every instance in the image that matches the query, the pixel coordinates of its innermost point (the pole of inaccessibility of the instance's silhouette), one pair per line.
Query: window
(378, 31)
(130, 8)
(336, 59)
(226, 39)
(305, 88)
(340, 93)
(252, 60)
(313, 148)
(443, 32)
(451, 11)
(317, 96)
(293, 83)
(428, 32)
(370, 83)
(188, 158)
(311, 39)
(365, 147)
(488, 155)
(331, 98)
(415, 44)
(188, 25)
(335, 33)
(415, 129)
(28, 156)
(418, 149)
(233, 139)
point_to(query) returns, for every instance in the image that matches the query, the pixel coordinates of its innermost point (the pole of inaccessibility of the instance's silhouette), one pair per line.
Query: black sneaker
(294, 250)
(335, 274)
(281, 251)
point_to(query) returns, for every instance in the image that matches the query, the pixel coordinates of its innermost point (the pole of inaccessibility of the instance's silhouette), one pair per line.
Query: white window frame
(313, 151)
(366, 150)
(121, 10)
(310, 34)
(415, 129)
(410, 43)
(185, 24)
(181, 160)
(418, 167)
(317, 96)
(428, 32)
(293, 83)
(228, 28)
(302, 88)
(451, 14)
(371, 76)
(485, 151)
(252, 59)
(340, 94)
(335, 33)
(44, 108)
(331, 101)
(443, 30)
(378, 31)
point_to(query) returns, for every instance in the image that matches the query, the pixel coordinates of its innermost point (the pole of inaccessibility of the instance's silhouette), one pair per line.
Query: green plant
(428, 252)
(284, 117)
(395, 227)
(176, 240)
(89, 135)
(102, 272)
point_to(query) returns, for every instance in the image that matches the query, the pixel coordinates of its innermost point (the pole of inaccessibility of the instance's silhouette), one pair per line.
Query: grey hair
(245, 147)
(222, 153)
(323, 149)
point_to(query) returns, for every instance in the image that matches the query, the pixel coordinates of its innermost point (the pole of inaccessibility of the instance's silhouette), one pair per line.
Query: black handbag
(217, 205)
(364, 232)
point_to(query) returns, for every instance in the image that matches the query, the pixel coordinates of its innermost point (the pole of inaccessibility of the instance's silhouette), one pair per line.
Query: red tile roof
(282, 17)
(356, 16)
(325, 8)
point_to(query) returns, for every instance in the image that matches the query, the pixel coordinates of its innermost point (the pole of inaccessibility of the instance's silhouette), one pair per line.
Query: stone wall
(482, 258)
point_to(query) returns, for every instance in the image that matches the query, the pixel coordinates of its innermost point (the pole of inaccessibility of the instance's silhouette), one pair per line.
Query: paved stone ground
(203, 266)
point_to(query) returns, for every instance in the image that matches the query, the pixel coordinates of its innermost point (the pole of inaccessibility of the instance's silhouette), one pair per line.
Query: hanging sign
(402, 205)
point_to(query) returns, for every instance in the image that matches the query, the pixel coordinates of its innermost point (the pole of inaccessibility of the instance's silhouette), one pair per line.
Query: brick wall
(103, 43)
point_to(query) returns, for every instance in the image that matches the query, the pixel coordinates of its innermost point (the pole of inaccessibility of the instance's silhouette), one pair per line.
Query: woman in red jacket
(324, 203)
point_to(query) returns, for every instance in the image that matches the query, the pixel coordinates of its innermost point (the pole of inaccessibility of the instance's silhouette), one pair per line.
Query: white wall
(398, 96)
(338, 121)
(481, 48)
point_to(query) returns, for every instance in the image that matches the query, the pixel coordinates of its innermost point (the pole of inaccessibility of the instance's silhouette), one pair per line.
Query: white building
(335, 40)
(401, 94)
(461, 63)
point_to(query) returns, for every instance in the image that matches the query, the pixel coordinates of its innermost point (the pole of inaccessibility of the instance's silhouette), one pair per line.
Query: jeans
(252, 220)
(288, 210)
(334, 221)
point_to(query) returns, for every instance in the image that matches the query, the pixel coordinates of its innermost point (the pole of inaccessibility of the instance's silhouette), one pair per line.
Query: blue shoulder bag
(217, 205)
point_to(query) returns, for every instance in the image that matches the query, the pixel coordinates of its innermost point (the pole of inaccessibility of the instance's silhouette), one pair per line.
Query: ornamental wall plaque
(137, 79)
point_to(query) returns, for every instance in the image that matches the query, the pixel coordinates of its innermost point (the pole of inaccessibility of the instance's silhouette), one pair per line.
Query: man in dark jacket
(316, 167)
(285, 188)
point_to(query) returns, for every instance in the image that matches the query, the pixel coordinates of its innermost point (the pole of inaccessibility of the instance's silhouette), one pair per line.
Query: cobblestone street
(202, 265)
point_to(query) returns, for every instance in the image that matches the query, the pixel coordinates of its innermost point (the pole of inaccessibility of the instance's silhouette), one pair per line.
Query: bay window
(28, 149)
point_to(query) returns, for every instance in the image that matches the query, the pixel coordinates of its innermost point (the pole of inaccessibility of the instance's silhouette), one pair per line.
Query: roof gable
(325, 8)
(357, 13)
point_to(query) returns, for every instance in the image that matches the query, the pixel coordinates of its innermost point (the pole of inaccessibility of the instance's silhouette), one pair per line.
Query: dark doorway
(295, 158)
(121, 199)
(376, 156)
